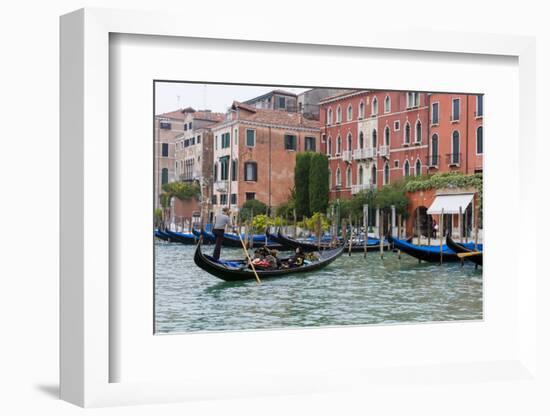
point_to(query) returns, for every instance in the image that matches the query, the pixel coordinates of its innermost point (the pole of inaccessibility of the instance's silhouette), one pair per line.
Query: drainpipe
(269, 179)
(467, 129)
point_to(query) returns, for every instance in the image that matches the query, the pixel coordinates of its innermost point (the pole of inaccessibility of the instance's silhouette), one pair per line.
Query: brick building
(255, 154)
(184, 153)
(374, 138)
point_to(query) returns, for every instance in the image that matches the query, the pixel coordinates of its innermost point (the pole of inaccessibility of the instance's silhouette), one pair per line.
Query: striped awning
(450, 204)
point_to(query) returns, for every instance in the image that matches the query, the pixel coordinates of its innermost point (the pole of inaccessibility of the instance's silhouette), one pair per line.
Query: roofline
(343, 96)
(261, 124)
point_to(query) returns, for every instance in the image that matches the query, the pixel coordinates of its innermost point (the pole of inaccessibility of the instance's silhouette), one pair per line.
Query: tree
(250, 208)
(182, 190)
(318, 183)
(393, 194)
(301, 183)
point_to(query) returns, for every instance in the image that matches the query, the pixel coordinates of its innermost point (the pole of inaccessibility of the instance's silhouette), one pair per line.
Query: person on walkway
(220, 222)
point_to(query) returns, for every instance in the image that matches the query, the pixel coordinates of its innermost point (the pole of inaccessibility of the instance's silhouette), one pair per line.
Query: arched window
(250, 171)
(407, 137)
(387, 104)
(418, 134)
(338, 114)
(338, 145)
(361, 109)
(374, 138)
(361, 140)
(215, 171)
(373, 174)
(406, 168)
(387, 136)
(348, 177)
(350, 140)
(329, 179)
(360, 175)
(329, 147)
(418, 168)
(338, 177)
(479, 140)
(350, 112)
(386, 174)
(329, 116)
(455, 156)
(374, 106)
(434, 158)
(164, 176)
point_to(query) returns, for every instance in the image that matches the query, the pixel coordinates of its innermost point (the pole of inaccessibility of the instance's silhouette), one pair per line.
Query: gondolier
(220, 222)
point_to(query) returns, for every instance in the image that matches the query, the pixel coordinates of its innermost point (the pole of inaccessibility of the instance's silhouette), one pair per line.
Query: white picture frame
(86, 355)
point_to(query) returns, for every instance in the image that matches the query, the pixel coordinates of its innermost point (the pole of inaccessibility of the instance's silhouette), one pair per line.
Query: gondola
(373, 244)
(236, 270)
(163, 236)
(462, 248)
(292, 243)
(233, 240)
(427, 253)
(182, 238)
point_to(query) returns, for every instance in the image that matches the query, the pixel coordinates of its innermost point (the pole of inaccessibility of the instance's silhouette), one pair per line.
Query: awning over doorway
(450, 204)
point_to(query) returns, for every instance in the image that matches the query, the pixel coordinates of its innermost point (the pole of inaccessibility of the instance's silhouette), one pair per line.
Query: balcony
(385, 151)
(432, 161)
(346, 155)
(221, 186)
(364, 153)
(454, 159)
(363, 187)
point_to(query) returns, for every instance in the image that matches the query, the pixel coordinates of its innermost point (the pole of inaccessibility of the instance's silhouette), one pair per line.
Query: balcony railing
(364, 187)
(385, 151)
(346, 155)
(364, 153)
(432, 161)
(453, 159)
(221, 186)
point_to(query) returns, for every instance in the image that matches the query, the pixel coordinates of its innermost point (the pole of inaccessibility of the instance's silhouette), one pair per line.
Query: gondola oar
(249, 259)
(472, 253)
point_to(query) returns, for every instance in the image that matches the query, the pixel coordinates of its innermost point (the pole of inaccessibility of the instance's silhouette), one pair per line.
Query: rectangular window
(479, 106)
(290, 142)
(309, 144)
(214, 200)
(166, 125)
(456, 110)
(190, 125)
(250, 137)
(192, 141)
(250, 196)
(234, 171)
(186, 143)
(225, 140)
(396, 126)
(236, 137)
(198, 139)
(250, 171)
(282, 102)
(164, 149)
(185, 127)
(223, 199)
(435, 113)
(233, 199)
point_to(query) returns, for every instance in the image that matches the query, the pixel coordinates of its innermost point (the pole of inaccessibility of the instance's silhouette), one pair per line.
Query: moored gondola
(476, 251)
(233, 240)
(163, 236)
(235, 270)
(373, 244)
(182, 238)
(432, 254)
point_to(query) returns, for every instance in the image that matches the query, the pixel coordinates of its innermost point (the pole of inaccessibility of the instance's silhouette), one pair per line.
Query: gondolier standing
(220, 221)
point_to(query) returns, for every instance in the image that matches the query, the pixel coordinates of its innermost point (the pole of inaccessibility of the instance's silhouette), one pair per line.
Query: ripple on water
(351, 291)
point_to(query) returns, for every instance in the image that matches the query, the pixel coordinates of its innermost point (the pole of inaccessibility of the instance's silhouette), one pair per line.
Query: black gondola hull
(234, 274)
(459, 248)
(432, 256)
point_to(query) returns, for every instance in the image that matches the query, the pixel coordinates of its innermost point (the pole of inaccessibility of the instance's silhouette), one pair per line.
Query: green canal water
(350, 291)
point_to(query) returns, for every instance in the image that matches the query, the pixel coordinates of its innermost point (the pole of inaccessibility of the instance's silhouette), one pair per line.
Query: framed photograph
(270, 215)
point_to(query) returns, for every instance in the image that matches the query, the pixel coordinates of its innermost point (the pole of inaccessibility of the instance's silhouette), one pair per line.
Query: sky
(171, 96)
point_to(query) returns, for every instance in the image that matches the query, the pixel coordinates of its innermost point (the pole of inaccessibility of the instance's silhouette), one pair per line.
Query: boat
(428, 253)
(236, 270)
(373, 244)
(182, 238)
(476, 258)
(162, 235)
(292, 243)
(233, 240)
